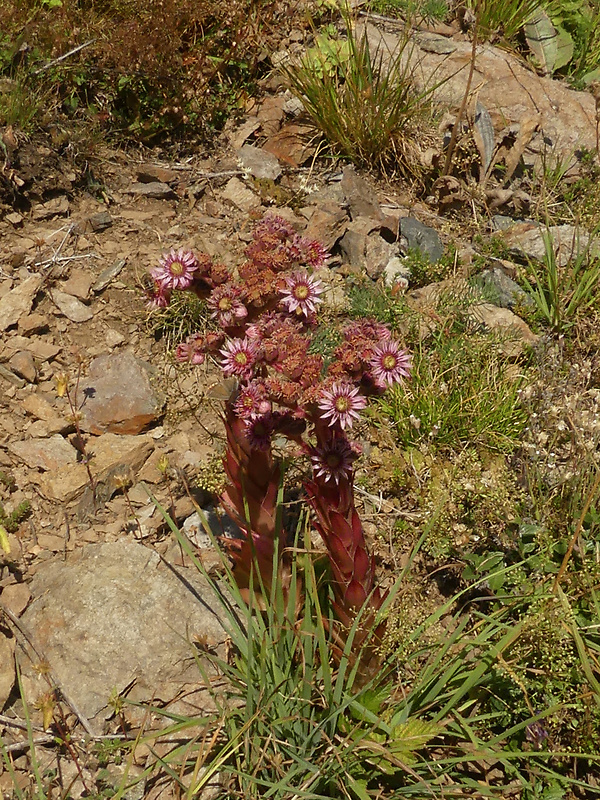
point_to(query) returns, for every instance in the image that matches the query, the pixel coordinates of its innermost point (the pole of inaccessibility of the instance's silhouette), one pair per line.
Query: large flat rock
(114, 613)
(510, 92)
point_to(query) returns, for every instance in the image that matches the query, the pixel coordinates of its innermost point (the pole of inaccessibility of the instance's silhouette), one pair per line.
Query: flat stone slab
(18, 301)
(54, 453)
(118, 395)
(109, 451)
(568, 241)
(114, 613)
(511, 93)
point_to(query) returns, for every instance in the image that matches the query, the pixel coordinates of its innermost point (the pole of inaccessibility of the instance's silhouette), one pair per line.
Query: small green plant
(561, 293)
(471, 503)
(461, 392)
(580, 20)
(367, 109)
(11, 520)
(424, 271)
(368, 300)
(19, 104)
(428, 10)
(183, 316)
(503, 18)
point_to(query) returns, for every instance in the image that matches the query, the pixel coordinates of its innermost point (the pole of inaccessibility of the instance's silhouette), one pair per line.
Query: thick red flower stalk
(250, 500)
(355, 588)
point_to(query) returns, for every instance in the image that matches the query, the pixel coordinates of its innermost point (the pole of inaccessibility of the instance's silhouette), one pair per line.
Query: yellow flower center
(225, 304)
(342, 404)
(389, 361)
(177, 268)
(301, 292)
(241, 359)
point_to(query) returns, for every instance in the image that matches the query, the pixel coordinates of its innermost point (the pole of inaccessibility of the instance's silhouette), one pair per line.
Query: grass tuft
(462, 392)
(367, 109)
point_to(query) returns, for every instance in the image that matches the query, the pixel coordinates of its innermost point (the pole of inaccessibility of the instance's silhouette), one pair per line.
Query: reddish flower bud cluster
(266, 318)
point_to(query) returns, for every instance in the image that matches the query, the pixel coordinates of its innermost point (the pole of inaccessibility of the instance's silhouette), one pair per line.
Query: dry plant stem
(65, 739)
(465, 100)
(576, 533)
(19, 747)
(80, 440)
(40, 656)
(13, 723)
(132, 512)
(56, 254)
(64, 56)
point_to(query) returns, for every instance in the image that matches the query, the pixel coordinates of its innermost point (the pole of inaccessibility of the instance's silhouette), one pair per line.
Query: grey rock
(422, 238)
(40, 348)
(39, 407)
(501, 290)
(511, 92)
(16, 597)
(79, 284)
(125, 616)
(150, 173)
(18, 301)
(259, 163)
(327, 225)
(434, 43)
(58, 206)
(294, 106)
(110, 452)
(156, 190)
(503, 320)
(113, 338)
(219, 523)
(10, 376)
(361, 198)
(500, 222)
(15, 219)
(100, 221)
(529, 239)
(23, 364)
(119, 395)
(353, 245)
(33, 323)
(355, 242)
(108, 275)
(378, 254)
(71, 307)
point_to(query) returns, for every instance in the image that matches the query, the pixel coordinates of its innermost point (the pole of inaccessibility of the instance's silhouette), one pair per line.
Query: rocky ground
(76, 336)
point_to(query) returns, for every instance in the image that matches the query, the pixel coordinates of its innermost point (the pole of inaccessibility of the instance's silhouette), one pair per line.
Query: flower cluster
(265, 319)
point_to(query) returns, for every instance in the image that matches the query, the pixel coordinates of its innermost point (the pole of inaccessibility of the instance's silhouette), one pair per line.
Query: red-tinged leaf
(342, 529)
(363, 569)
(355, 596)
(340, 556)
(357, 530)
